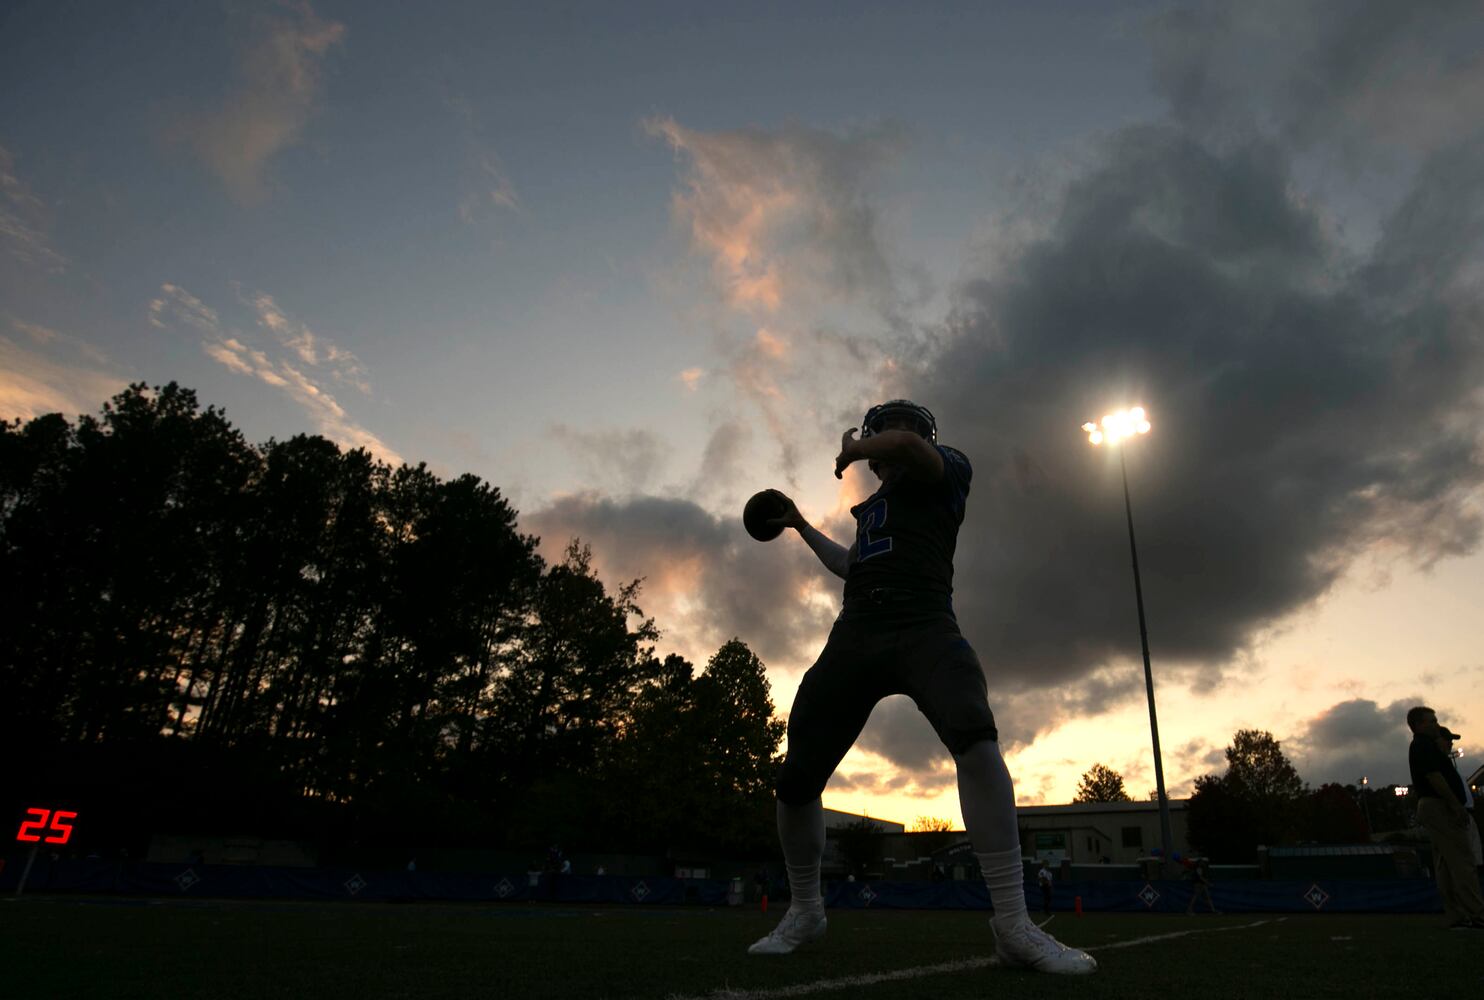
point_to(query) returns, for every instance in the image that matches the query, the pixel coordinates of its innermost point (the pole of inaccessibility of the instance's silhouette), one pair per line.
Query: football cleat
(797, 927)
(1026, 946)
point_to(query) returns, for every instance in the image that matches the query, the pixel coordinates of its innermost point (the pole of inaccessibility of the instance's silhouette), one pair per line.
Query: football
(761, 509)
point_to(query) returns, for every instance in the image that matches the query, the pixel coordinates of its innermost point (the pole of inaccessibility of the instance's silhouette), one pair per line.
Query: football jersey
(906, 531)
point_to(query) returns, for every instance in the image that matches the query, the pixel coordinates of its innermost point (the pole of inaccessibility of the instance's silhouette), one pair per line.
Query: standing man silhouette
(1440, 799)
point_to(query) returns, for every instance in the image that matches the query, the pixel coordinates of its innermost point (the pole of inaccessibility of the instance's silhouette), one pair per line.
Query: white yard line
(916, 972)
(1175, 934)
(842, 983)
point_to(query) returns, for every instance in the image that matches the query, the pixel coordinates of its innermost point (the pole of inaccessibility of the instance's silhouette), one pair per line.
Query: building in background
(1091, 832)
(834, 819)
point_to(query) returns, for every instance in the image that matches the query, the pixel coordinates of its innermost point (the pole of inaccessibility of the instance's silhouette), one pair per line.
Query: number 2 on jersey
(873, 517)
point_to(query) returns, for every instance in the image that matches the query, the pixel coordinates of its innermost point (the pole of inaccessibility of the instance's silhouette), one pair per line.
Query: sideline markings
(896, 975)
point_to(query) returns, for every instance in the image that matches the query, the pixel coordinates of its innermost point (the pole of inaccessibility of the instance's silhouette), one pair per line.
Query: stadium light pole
(1115, 428)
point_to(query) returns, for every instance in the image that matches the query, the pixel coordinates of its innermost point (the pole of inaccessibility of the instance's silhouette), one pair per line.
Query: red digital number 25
(61, 831)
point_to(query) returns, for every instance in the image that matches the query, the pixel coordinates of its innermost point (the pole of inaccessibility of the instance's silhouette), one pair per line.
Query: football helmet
(875, 418)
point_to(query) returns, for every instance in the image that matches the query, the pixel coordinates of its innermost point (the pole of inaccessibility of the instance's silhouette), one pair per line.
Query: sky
(631, 263)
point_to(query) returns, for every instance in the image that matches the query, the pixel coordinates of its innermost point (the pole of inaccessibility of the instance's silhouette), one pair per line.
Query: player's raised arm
(892, 446)
(836, 557)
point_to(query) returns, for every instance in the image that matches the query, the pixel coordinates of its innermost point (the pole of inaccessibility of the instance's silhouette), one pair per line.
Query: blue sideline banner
(1320, 896)
(246, 882)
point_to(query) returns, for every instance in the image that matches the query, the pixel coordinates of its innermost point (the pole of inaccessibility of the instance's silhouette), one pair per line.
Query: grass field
(68, 947)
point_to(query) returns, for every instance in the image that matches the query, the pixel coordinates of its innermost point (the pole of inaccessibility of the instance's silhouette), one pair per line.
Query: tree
(930, 824)
(1255, 803)
(1218, 822)
(296, 636)
(567, 692)
(1101, 784)
(1258, 768)
(696, 767)
(1330, 815)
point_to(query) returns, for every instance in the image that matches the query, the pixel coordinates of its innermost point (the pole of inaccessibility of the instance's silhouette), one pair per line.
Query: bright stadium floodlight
(1114, 428)
(1400, 791)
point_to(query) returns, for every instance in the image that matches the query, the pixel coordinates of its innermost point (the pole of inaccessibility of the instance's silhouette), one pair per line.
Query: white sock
(801, 832)
(986, 795)
(1005, 877)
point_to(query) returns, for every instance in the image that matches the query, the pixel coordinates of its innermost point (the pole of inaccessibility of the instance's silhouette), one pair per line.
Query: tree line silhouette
(290, 638)
(1262, 800)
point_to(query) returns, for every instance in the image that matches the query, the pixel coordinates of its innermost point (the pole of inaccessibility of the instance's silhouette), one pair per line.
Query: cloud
(1354, 738)
(784, 223)
(705, 579)
(930, 780)
(180, 305)
(25, 220)
(300, 362)
(47, 337)
(1384, 77)
(310, 348)
(277, 91)
(1309, 403)
(32, 383)
(631, 458)
(721, 461)
(783, 214)
(487, 187)
(1313, 400)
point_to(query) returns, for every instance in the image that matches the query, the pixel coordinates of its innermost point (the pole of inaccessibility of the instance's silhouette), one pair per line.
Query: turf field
(67, 947)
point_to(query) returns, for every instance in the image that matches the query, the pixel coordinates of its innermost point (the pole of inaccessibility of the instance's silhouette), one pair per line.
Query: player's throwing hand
(848, 453)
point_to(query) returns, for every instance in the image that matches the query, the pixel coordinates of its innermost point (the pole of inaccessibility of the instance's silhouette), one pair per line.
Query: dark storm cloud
(704, 577)
(1310, 399)
(1355, 738)
(1303, 407)
(1403, 75)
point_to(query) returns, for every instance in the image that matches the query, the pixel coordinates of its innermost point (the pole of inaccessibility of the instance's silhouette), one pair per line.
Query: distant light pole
(1114, 428)
(1365, 805)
